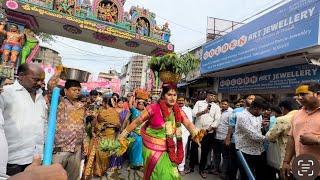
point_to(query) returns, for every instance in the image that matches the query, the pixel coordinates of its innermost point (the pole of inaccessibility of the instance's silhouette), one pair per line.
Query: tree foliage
(45, 37)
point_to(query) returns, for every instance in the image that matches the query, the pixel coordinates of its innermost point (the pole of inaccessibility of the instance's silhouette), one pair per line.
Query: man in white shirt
(3, 148)
(221, 134)
(207, 115)
(229, 141)
(185, 132)
(249, 138)
(24, 111)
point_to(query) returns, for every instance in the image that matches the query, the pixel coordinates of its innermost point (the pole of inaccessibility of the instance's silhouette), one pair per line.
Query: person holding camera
(207, 115)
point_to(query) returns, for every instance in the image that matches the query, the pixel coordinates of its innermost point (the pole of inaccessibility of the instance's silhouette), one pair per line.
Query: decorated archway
(102, 22)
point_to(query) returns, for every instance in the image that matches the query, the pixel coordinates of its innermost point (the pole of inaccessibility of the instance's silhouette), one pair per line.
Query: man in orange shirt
(304, 136)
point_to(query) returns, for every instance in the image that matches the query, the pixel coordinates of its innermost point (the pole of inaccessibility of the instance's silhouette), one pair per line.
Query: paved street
(137, 175)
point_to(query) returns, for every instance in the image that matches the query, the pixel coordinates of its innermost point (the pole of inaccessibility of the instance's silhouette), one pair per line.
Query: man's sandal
(189, 171)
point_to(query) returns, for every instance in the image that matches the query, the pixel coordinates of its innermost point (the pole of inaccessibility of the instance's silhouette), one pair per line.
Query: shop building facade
(268, 56)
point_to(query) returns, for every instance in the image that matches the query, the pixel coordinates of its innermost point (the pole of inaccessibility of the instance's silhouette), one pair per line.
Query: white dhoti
(185, 136)
(4, 151)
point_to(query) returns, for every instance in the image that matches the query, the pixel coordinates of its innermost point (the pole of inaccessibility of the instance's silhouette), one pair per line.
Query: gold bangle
(194, 133)
(123, 135)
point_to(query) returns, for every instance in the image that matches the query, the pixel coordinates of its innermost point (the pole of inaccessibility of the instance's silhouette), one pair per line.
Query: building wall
(47, 56)
(112, 74)
(134, 74)
(124, 79)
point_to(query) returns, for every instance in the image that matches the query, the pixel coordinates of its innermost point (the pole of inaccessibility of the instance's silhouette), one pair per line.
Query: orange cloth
(304, 122)
(126, 105)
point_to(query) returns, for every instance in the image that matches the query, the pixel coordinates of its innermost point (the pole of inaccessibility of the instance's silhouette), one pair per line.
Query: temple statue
(142, 27)
(29, 49)
(166, 32)
(64, 6)
(108, 12)
(156, 27)
(111, 13)
(165, 28)
(12, 45)
(101, 12)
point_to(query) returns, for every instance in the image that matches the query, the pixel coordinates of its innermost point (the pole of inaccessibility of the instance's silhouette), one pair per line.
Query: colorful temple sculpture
(17, 48)
(103, 22)
(30, 47)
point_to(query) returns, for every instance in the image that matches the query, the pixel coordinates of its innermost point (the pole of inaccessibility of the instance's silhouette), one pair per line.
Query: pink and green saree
(157, 162)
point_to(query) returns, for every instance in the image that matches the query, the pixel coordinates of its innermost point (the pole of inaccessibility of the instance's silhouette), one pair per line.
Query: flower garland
(174, 157)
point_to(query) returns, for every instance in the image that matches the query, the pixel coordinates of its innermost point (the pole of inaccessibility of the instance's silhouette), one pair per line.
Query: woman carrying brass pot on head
(162, 121)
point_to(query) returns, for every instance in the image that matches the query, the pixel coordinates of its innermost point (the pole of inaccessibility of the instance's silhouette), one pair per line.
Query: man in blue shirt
(229, 141)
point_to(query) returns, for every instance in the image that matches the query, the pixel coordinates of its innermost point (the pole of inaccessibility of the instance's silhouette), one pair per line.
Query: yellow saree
(98, 161)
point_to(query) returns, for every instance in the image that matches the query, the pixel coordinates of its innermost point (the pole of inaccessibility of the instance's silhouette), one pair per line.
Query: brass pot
(142, 94)
(169, 77)
(74, 74)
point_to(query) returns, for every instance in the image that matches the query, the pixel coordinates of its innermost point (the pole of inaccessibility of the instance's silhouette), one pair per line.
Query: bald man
(24, 112)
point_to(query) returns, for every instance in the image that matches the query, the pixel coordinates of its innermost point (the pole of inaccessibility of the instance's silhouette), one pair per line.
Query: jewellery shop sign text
(278, 78)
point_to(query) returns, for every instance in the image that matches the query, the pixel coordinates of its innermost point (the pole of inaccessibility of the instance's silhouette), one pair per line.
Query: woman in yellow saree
(163, 122)
(104, 127)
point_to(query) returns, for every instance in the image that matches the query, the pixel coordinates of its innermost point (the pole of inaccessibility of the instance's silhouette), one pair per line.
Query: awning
(182, 84)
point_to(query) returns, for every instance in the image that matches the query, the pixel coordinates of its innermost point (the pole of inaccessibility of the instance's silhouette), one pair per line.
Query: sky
(187, 20)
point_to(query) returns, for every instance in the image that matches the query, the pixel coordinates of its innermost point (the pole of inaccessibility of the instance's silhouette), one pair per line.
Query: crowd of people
(171, 134)
(261, 131)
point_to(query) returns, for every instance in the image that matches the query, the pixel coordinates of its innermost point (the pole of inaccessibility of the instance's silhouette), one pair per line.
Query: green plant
(182, 64)
(45, 37)
(113, 146)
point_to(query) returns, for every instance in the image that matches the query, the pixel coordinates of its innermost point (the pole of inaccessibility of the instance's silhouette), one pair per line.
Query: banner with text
(279, 78)
(291, 27)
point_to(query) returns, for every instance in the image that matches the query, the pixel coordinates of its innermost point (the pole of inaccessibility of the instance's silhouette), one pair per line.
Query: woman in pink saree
(162, 122)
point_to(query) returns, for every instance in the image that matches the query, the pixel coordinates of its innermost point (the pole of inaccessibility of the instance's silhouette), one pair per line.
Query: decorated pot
(142, 94)
(169, 77)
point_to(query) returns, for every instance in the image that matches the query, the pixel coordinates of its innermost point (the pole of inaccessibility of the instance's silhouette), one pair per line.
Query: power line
(104, 55)
(95, 55)
(263, 11)
(69, 59)
(182, 25)
(260, 12)
(189, 46)
(105, 61)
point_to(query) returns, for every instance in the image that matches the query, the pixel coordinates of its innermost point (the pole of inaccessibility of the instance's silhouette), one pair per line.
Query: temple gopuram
(103, 22)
